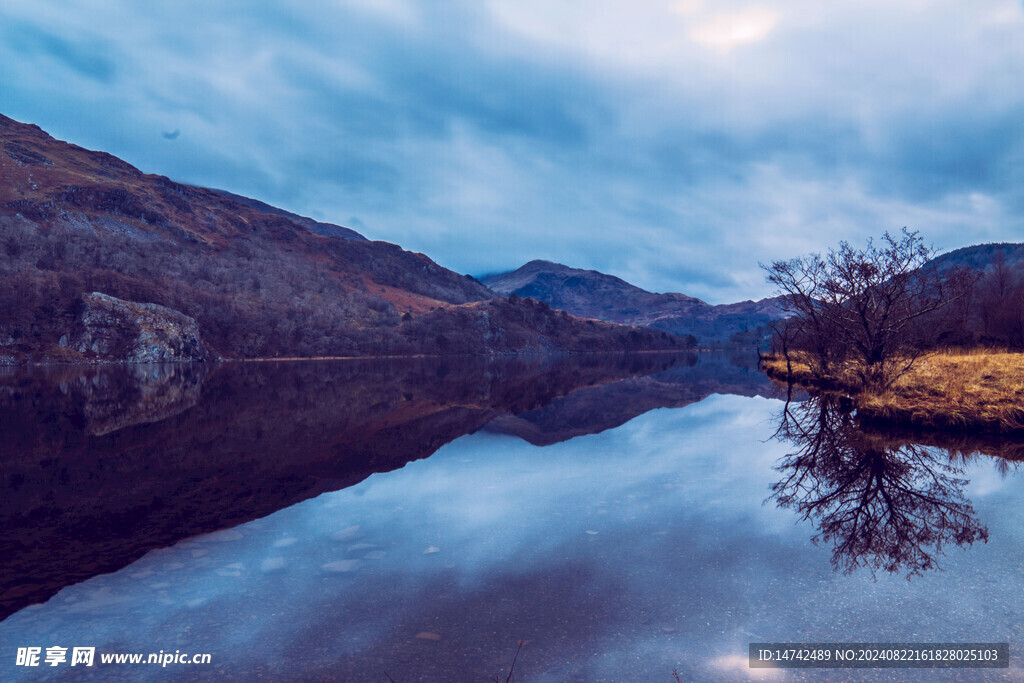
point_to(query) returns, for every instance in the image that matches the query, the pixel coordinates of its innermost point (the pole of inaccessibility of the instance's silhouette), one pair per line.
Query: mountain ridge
(982, 256)
(593, 294)
(258, 281)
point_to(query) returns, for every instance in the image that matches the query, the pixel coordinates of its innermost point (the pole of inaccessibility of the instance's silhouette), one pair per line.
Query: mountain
(586, 292)
(101, 261)
(592, 294)
(981, 257)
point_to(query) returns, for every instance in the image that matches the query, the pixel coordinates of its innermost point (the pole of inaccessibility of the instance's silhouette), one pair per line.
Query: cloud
(726, 31)
(88, 58)
(738, 667)
(675, 144)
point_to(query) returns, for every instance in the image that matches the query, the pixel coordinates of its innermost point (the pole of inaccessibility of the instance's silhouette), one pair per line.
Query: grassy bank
(969, 391)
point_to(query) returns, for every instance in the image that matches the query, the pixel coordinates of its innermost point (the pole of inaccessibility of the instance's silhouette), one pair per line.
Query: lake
(621, 517)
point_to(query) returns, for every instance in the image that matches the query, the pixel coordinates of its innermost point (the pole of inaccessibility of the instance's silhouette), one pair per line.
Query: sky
(674, 143)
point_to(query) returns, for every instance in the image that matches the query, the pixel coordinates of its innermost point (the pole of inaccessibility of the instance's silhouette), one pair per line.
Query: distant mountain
(100, 261)
(592, 294)
(982, 256)
(588, 293)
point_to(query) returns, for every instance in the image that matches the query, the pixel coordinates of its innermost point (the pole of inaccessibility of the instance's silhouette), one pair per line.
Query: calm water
(360, 521)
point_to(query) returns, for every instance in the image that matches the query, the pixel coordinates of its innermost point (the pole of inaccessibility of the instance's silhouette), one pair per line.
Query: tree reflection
(880, 503)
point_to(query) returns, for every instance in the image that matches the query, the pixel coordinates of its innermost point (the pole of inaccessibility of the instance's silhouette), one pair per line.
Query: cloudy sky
(675, 143)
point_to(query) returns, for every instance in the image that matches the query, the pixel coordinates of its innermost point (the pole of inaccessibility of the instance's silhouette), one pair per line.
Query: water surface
(417, 521)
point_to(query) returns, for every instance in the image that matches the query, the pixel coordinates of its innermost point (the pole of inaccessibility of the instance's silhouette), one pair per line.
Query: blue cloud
(600, 138)
(87, 58)
(958, 151)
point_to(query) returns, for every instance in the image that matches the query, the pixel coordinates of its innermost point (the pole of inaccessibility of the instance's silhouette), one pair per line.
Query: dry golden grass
(975, 390)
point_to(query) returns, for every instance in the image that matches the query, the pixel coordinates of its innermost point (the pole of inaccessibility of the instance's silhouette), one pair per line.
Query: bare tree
(869, 305)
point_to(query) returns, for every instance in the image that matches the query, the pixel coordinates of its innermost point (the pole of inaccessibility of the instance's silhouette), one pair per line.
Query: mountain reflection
(102, 464)
(881, 502)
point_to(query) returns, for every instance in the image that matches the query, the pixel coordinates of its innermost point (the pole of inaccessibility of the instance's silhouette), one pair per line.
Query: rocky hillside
(591, 294)
(81, 230)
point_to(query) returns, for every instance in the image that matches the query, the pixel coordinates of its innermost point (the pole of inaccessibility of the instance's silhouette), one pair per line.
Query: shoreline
(295, 359)
(973, 392)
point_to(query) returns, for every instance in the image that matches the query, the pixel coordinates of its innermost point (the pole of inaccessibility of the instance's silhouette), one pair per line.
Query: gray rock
(114, 329)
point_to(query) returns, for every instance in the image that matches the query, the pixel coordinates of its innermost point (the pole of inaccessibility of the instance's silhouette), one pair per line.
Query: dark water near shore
(625, 517)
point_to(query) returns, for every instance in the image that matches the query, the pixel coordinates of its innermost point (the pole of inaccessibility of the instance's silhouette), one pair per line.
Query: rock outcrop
(114, 329)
